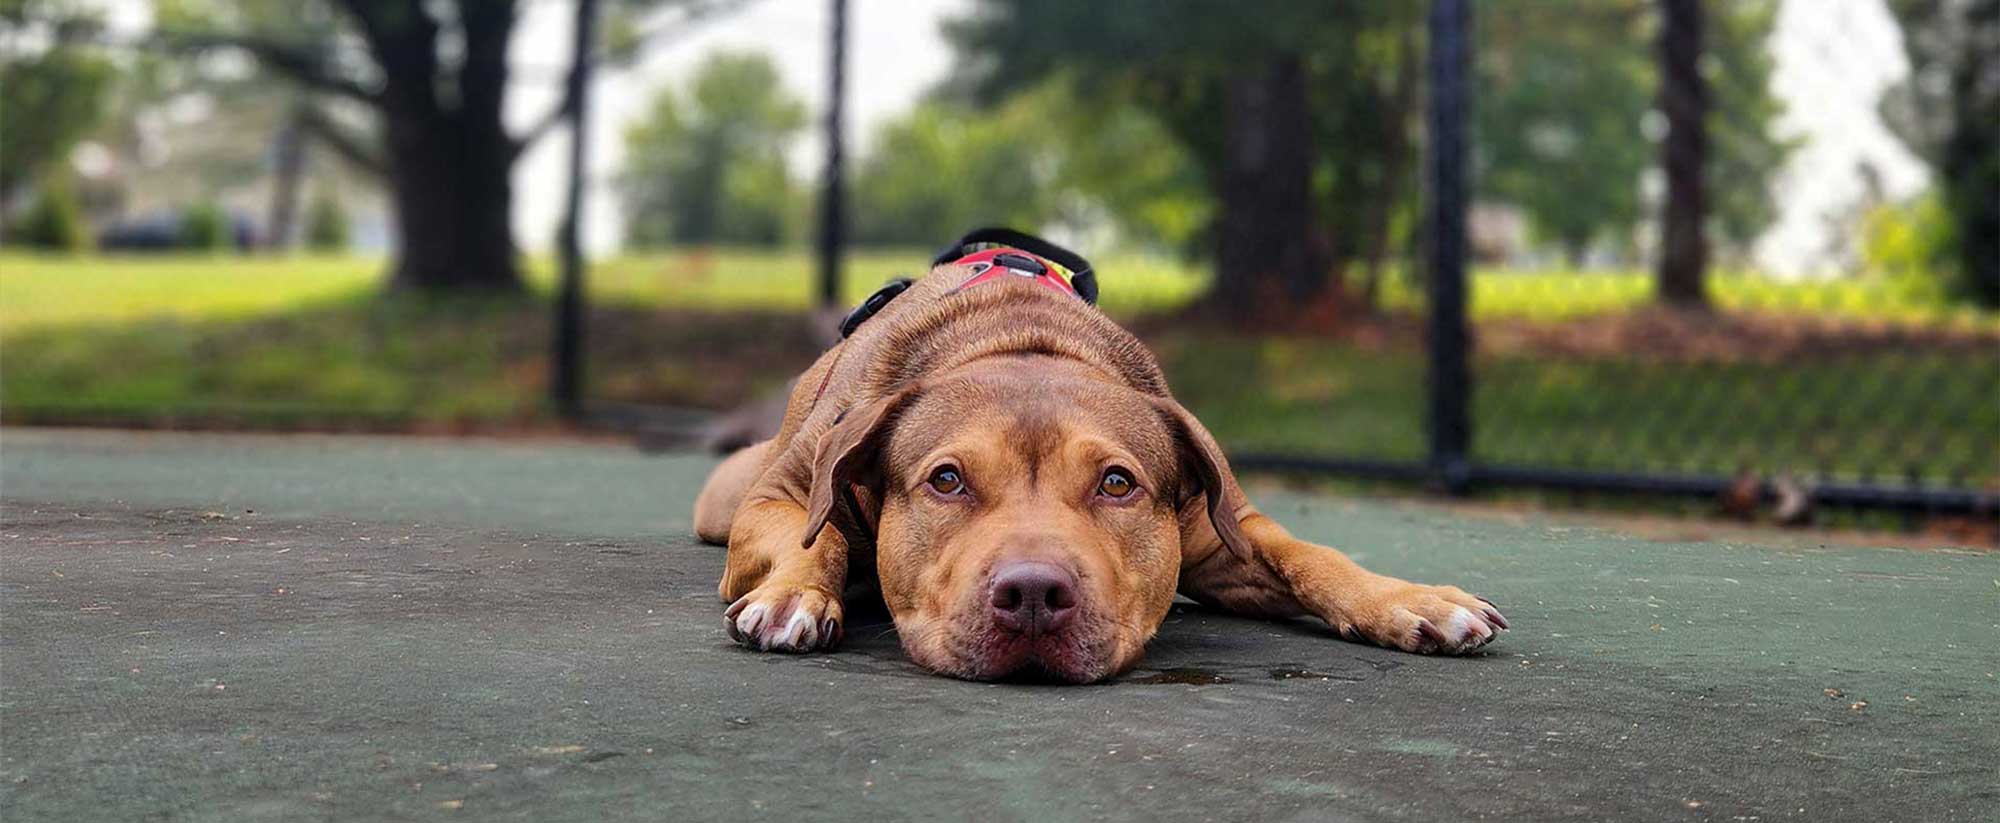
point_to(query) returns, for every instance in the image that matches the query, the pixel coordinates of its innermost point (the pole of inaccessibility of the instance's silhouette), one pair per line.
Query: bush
(205, 226)
(55, 222)
(326, 223)
(1911, 245)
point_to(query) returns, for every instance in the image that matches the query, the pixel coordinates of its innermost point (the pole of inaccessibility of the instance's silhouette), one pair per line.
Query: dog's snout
(1033, 597)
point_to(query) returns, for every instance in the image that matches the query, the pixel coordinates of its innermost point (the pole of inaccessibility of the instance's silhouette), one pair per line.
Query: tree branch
(351, 147)
(300, 64)
(549, 123)
(696, 13)
(659, 35)
(402, 37)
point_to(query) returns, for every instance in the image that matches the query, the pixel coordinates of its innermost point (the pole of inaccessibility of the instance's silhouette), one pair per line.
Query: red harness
(1004, 256)
(1006, 253)
(992, 264)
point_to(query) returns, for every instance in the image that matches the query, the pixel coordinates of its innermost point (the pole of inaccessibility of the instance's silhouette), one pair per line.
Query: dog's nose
(1033, 597)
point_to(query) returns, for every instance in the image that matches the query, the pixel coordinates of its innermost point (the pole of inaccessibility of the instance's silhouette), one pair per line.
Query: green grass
(341, 360)
(308, 341)
(38, 291)
(783, 280)
(1564, 295)
(1892, 413)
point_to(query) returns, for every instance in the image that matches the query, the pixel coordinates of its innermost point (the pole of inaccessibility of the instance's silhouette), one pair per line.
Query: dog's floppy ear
(846, 454)
(1201, 460)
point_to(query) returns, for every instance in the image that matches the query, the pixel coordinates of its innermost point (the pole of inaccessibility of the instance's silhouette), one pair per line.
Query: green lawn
(40, 291)
(1560, 295)
(309, 341)
(1887, 413)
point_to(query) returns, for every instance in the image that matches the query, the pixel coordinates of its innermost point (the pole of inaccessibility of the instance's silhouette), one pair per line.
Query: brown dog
(1010, 466)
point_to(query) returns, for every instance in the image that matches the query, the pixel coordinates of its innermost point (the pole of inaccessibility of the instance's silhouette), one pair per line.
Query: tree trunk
(1268, 261)
(449, 153)
(1683, 156)
(1395, 137)
(1971, 159)
(288, 165)
(833, 197)
(453, 203)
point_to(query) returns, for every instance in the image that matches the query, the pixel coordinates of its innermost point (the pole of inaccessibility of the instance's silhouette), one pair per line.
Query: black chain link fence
(1493, 351)
(1785, 396)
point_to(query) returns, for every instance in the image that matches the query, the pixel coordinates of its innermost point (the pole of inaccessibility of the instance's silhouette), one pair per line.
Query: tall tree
(1565, 93)
(1562, 93)
(1367, 119)
(1266, 254)
(1683, 264)
(435, 77)
(1043, 159)
(431, 77)
(1948, 111)
(942, 169)
(708, 165)
(1253, 90)
(288, 168)
(51, 96)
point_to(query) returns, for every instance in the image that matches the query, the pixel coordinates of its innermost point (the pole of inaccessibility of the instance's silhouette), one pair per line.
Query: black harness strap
(1081, 278)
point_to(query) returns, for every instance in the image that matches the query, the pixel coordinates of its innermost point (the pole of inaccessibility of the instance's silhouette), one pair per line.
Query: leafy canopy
(1565, 94)
(707, 164)
(53, 95)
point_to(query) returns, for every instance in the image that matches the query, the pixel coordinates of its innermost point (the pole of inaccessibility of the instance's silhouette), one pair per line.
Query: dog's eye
(945, 480)
(1116, 484)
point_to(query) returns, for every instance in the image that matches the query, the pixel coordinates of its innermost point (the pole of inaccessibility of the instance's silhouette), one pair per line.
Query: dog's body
(1010, 465)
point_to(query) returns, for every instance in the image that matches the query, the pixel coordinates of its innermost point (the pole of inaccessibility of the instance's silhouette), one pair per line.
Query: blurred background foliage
(1574, 168)
(254, 212)
(1101, 124)
(706, 166)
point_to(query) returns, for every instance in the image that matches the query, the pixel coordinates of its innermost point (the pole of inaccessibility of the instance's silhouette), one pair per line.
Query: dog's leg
(1283, 576)
(783, 598)
(715, 507)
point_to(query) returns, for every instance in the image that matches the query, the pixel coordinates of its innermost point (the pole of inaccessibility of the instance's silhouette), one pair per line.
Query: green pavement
(211, 627)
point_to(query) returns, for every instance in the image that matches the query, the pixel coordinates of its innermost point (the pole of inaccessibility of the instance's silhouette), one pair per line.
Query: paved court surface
(313, 628)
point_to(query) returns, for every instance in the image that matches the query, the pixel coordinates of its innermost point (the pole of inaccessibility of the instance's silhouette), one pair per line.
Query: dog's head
(1026, 520)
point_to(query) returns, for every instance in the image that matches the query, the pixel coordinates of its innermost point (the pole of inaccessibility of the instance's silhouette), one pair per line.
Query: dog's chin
(984, 652)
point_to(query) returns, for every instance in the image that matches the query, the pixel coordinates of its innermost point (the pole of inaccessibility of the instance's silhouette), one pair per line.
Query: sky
(1834, 58)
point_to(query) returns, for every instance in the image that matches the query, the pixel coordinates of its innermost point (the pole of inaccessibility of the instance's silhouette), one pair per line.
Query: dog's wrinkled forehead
(1033, 417)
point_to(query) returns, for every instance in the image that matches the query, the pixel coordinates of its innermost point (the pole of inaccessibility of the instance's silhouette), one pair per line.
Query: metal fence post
(566, 384)
(1450, 376)
(832, 209)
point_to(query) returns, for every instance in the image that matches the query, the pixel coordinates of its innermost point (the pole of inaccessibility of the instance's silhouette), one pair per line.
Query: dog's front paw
(1422, 619)
(784, 619)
